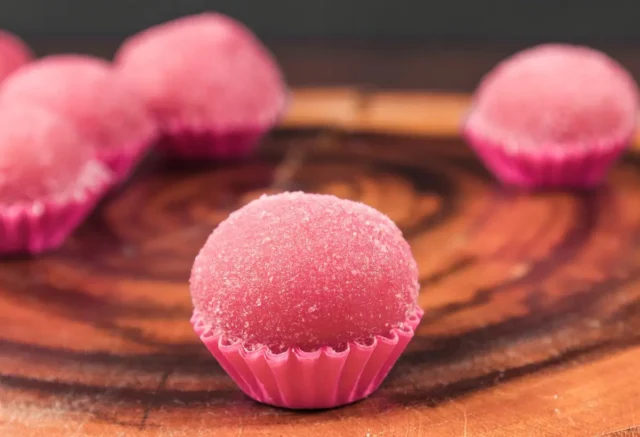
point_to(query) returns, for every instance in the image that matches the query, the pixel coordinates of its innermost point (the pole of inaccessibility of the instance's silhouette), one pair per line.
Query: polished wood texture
(411, 113)
(532, 301)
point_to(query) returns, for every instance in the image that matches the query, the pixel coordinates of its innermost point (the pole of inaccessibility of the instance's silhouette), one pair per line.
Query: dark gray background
(424, 19)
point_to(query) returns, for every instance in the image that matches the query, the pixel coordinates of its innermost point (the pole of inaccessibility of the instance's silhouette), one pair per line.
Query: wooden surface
(532, 302)
(408, 113)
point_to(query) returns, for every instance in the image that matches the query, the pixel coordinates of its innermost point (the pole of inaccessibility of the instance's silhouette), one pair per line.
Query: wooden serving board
(532, 301)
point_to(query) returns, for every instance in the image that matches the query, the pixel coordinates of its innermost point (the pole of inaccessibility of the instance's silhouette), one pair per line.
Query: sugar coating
(88, 93)
(14, 53)
(305, 270)
(40, 154)
(556, 96)
(205, 69)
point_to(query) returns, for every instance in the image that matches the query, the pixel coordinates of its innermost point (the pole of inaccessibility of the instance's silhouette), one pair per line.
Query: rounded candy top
(41, 156)
(556, 95)
(203, 69)
(306, 271)
(14, 53)
(88, 93)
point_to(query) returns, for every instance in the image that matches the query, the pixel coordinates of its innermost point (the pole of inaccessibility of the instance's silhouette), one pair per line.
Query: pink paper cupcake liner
(200, 142)
(188, 140)
(122, 162)
(552, 167)
(298, 379)
(42, 225)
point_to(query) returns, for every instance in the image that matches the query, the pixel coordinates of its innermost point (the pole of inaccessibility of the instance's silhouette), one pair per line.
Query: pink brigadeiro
(213, 87)
(49, 179)
(90, 96)
(14, 53)
(553, 116)
(306, 300)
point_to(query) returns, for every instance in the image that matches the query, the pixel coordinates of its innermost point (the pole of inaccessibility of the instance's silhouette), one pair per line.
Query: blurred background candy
(85, 90)
(553, 116)
(212, 86)
(50, 179)
(14, 53)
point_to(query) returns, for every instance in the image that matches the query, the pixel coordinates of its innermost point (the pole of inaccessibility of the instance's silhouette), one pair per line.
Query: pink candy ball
(87, 92)
(204, 70)
(306, 271)
(41, 155)
(14, 53)
(556, 95)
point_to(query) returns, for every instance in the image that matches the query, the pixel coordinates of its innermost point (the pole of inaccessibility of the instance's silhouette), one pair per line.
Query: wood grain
(414, 113)
(532, 302)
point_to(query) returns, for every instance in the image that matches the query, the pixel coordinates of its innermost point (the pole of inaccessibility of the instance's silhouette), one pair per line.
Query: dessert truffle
(86, 91)
(14, 53)
(49, 179)
(213, 87)
(553, 116)
(303, 284)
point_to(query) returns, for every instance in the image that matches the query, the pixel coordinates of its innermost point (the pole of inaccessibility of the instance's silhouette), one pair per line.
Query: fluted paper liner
(201, 142)
(580, 166)
(122, 161)
(33, 227)
(297, 379)
(188, 139)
